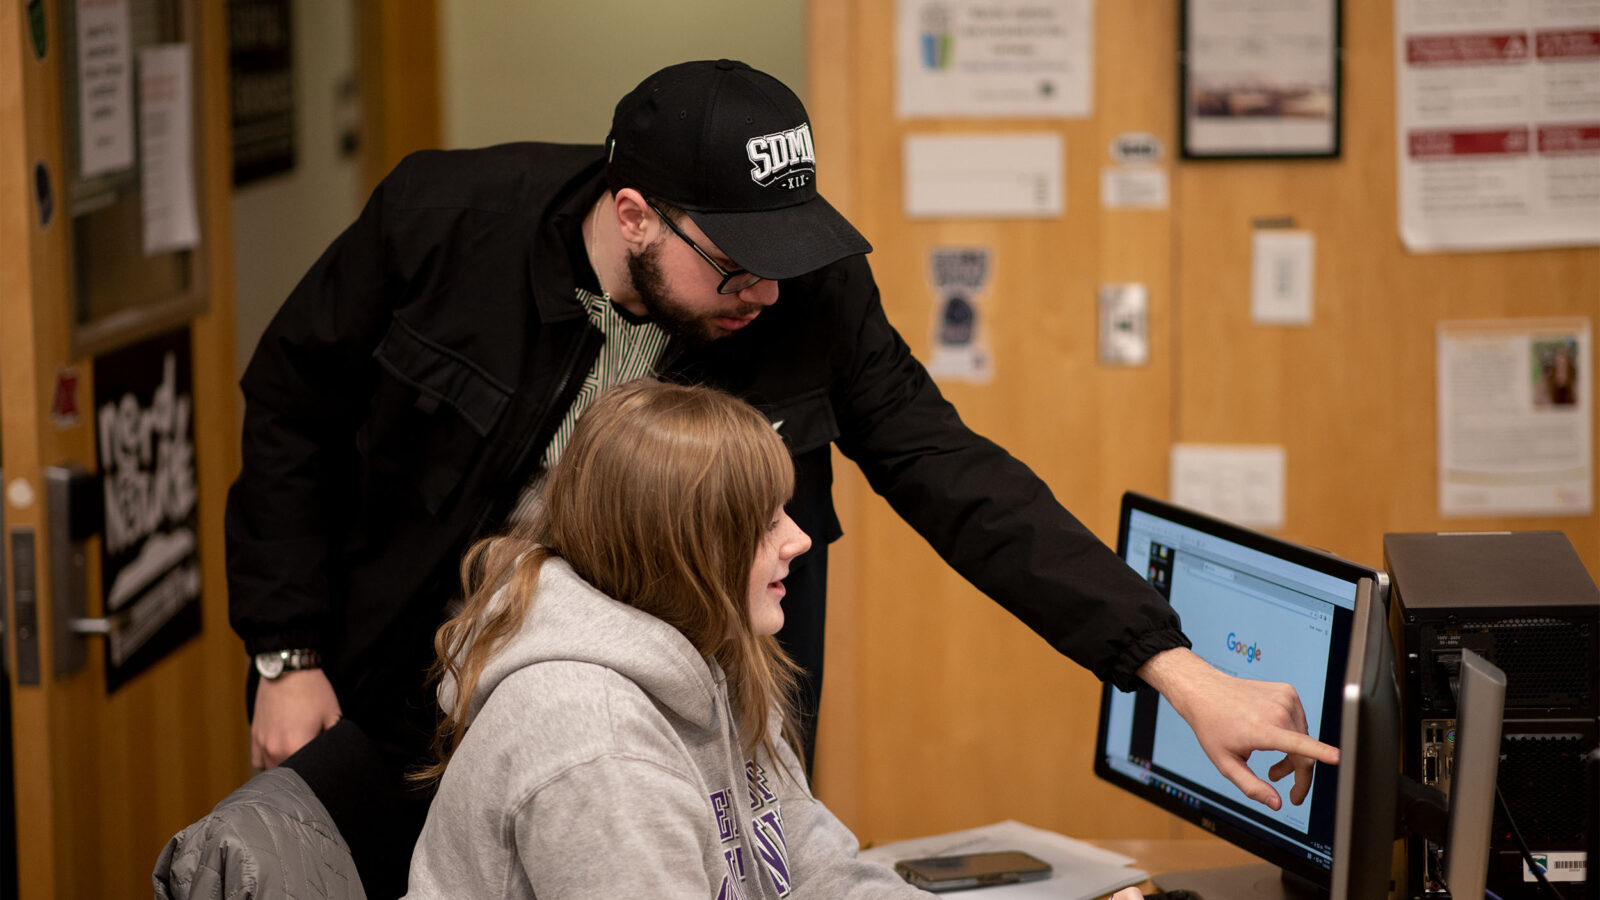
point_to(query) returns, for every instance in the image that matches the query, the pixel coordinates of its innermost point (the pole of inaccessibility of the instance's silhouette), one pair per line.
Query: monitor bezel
(1369, 744)
(1289, 551)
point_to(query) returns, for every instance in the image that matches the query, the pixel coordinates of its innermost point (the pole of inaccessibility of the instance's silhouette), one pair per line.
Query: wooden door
(103, 780)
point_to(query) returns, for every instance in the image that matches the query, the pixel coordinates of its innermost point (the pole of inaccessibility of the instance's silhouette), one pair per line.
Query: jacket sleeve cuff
(1124, 671)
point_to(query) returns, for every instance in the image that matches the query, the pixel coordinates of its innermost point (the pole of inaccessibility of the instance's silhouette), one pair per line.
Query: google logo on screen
(1250, 652)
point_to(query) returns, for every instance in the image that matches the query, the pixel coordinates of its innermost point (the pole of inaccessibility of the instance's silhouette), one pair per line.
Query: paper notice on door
(166, 147)
(105, 87)
(1514, 418)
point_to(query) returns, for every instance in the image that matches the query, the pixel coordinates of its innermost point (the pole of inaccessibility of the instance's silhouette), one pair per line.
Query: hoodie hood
(570, 620)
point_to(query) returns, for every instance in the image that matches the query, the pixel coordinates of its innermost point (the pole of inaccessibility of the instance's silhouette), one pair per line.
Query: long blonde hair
(660, 501)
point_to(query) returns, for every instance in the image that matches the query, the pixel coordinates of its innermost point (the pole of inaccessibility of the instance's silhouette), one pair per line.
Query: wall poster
(994, 58)
(1515, 418)
(1498, 103)
(149, 557)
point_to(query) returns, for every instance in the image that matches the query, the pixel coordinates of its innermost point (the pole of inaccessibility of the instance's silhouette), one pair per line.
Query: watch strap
(273, 663)
(295, 660)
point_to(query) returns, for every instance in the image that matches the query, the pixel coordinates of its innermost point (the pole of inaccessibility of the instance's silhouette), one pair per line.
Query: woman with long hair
(618, 720)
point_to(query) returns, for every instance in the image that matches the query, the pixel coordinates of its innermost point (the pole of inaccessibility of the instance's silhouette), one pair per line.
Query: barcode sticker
(1567, 866)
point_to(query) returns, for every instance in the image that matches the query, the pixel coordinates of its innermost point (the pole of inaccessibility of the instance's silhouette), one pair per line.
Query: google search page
(1254, 615)
(1238, 625)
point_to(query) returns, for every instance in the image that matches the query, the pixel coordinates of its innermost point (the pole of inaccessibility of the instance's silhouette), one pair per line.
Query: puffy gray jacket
(272, 838)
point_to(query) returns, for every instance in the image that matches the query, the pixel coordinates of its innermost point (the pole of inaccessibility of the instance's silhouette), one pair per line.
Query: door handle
(76, 508)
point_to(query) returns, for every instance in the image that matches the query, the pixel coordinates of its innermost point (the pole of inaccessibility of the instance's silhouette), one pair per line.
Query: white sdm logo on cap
(786, 155)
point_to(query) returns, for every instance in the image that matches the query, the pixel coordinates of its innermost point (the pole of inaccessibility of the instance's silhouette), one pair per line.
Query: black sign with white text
(149, 556)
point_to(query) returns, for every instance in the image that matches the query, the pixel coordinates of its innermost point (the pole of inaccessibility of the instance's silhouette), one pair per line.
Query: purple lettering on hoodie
(773, 850)
(726, 827)
(756, 778)
(731, 889)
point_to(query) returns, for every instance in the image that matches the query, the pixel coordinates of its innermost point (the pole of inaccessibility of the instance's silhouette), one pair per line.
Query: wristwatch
(274, 663)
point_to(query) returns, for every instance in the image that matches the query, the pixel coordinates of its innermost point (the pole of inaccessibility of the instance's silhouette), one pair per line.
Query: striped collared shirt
(630, 351)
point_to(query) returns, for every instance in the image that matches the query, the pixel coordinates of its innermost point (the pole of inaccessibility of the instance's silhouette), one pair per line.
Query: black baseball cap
(732, 147)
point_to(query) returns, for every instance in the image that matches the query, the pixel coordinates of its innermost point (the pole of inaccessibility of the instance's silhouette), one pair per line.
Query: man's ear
(635, 219)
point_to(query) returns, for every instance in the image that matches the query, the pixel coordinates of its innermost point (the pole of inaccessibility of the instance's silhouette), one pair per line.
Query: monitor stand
(1262, 881)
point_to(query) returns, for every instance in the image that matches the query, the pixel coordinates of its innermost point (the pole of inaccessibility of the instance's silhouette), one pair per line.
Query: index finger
(1297, 742)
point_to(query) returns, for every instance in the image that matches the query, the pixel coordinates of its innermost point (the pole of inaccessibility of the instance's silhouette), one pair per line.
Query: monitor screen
(1256, 607)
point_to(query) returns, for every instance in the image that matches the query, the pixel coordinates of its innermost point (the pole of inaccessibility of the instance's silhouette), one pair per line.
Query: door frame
(102, 781)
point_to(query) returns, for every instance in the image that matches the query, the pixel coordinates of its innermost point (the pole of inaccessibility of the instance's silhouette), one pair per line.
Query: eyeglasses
(732, 282)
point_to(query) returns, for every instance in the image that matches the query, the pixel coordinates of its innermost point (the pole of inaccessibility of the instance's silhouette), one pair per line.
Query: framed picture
(1260, 79)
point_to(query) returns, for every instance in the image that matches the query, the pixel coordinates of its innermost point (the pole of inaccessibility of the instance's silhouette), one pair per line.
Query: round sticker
(19, 493)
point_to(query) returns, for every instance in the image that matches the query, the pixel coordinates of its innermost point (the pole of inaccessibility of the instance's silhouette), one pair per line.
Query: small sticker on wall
(1137, 180)
(960, 348)
(20, 493)
(1133, 187)
(42, 194)
(1136, 147)
(64, 401)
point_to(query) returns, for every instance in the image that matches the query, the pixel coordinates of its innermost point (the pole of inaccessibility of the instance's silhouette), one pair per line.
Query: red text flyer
(1498, 108)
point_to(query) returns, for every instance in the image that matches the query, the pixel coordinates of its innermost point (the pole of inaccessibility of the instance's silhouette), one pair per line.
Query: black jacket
(405, 392)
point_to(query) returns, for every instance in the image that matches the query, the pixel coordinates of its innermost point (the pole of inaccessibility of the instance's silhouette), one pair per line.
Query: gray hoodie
(603, 761)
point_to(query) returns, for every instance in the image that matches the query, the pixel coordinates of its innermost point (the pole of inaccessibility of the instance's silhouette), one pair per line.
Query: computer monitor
(1375, 802)
(1262, 608)
(1480, 713)
(1258, 607)
(1369, 764)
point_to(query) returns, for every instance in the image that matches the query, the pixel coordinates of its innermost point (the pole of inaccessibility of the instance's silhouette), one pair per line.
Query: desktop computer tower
(1525, 601)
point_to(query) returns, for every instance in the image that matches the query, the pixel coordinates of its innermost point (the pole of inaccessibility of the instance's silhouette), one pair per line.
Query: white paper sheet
(1498, 103)
(1080, 871)
(994, 58)
(1514, 418)
(984, 176)
(105, 87)
(1133, 187)
(1241, 483)
(166, 142)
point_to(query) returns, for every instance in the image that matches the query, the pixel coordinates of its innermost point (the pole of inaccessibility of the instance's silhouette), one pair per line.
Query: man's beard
(680, 323)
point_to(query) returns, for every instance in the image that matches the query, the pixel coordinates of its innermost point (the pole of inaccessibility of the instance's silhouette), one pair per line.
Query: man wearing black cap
(427, 370)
